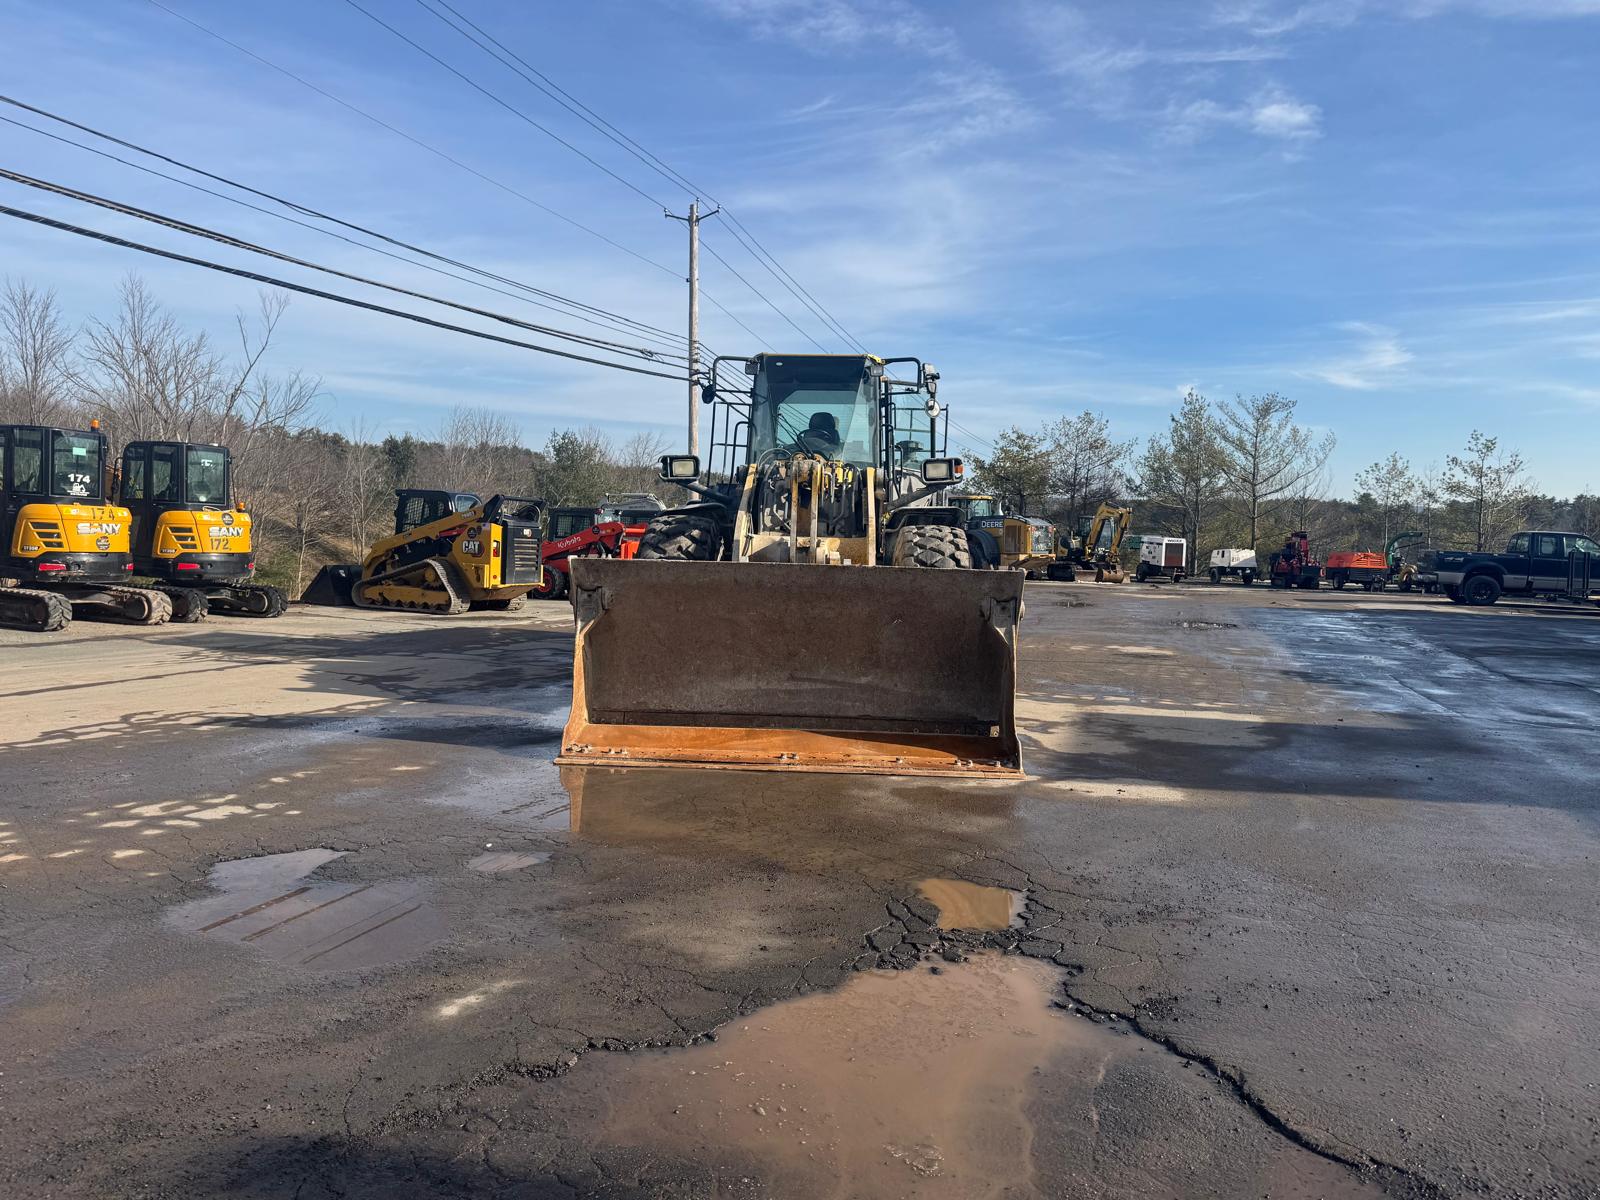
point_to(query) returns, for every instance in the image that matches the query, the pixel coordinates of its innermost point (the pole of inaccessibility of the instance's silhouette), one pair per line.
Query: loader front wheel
(685, 537)
(937, 546)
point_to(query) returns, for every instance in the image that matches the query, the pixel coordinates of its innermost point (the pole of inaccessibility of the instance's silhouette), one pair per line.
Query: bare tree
(36, 386)
(1391, 485)
(1489, 482)
(1086, 464)
(1266, 457)
(1182, 471)
(638, 463)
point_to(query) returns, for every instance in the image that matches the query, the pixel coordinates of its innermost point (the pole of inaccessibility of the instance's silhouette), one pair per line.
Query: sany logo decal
(107, 527)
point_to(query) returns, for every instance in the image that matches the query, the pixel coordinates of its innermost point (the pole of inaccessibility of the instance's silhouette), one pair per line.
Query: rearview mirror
(708, 394)
(680, 468)
(941, 470)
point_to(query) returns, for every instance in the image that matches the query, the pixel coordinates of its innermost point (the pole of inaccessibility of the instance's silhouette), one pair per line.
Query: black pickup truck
(1536, 562)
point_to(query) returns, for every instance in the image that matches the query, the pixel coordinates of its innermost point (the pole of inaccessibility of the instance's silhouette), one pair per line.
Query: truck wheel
(1216, 575)
(1339, 581)
(936, 546)
(1248, 578)
(552, 587)
(1481, 590)
(686, 537)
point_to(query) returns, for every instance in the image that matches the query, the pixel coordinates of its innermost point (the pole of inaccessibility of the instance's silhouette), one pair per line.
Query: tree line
(1243, 473)
(316, 494)
(1234, 473)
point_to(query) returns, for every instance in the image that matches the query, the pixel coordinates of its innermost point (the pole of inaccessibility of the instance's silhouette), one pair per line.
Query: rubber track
(442, 575)
(160, 605)
(35, 610)
(189, 605)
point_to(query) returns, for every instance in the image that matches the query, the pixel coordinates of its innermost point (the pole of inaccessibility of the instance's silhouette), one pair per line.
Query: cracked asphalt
(1307, 890)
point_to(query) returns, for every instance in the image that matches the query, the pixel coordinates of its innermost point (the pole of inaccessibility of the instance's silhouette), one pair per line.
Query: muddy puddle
(960, 1084)
(495, 862)
(272, 905)
(964, 905)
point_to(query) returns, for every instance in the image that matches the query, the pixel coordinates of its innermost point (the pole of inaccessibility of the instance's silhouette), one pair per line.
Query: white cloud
(1373, 362)
(1271, 113)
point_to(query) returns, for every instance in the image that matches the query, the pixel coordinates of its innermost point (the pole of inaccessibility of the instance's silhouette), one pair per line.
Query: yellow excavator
(815, 607)
(1101, 547)
(64, 547)
(450, 552)
(187, 532)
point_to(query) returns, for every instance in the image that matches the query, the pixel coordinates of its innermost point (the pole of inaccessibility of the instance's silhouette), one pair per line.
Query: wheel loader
(64, 548)
(188, 534)
(814, 608)
(449, 552)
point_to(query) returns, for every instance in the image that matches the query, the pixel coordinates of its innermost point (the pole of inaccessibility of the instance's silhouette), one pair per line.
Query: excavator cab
(748, 632)
(188, 533)
(64, 546)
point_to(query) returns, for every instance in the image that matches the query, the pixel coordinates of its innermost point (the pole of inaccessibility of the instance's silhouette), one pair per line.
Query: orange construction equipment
(1366, 567)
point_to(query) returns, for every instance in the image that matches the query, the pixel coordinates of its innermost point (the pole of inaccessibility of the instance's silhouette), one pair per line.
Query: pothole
(272, 905)
(964, 905)
(953, 1082)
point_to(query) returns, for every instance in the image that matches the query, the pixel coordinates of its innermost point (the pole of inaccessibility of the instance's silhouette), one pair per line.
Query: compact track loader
(788, 618)
(64, 548)
(449, 552)
(188, 535)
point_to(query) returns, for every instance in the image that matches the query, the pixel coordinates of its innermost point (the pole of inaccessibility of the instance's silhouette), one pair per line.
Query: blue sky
(1389, 211)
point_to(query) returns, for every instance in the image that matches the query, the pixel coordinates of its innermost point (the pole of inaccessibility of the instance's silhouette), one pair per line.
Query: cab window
(206, 476)
(74, 466)
(27, 462)
(1549, 546)
(1585, 545)
(1518, 544)
(135, 461)
(164, 474)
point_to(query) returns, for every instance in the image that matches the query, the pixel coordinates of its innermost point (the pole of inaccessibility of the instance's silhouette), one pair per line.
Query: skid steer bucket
(778, 666)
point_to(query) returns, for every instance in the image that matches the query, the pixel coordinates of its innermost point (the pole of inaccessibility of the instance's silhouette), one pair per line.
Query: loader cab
(415, 507)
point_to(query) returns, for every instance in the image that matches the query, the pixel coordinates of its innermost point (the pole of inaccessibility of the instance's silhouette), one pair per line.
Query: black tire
(552, 587)
(1248, 578)
(1216, 575)
(1339, 581)
(939, 547)
(1480, 590)
(684, 537)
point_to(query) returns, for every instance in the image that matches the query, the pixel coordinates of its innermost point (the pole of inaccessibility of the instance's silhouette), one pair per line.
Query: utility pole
(693, 221)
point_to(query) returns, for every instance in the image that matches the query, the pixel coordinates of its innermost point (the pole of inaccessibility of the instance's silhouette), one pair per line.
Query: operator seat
(823, 429)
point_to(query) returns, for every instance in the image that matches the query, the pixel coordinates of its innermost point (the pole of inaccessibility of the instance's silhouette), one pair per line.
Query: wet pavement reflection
(272, 905)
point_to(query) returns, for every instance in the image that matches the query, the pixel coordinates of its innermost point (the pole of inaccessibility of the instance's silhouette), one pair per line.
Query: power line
(711, 250)
(240, 244)
(510, 108)
(598, 123)
(418, 142)
(595, 121)
(584, 312)
(415, 141)
(270, 281)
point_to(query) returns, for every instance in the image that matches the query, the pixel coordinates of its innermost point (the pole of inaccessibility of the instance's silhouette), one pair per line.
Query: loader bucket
(332, 586)
(780, 666)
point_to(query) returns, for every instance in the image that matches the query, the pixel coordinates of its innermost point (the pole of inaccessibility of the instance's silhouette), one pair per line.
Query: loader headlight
(940, 470)
(679, 468)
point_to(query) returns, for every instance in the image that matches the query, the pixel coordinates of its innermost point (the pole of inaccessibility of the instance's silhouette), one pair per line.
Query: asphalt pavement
(1298, 899)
